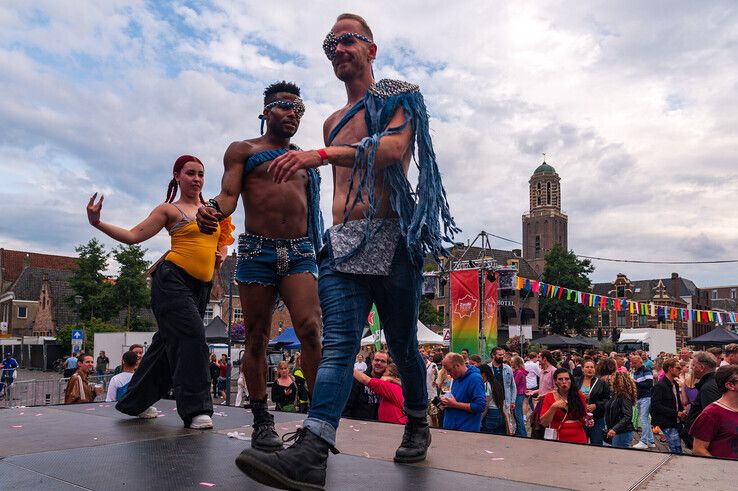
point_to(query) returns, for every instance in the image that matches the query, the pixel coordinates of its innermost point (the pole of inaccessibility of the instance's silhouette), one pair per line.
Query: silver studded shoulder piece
(388, 88)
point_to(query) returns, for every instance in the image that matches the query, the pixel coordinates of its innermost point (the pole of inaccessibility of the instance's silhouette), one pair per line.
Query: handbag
(552, 433)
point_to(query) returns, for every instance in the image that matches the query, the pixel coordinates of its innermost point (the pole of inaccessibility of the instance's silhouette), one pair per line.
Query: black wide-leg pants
(178, 355)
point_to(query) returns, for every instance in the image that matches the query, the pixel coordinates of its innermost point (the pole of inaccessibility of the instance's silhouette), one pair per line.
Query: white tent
(425, 336)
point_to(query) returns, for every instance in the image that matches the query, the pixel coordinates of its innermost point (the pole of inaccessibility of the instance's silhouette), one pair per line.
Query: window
(548, 193)
(620, 292)
(22, 312)
(732, 293)
(538, 193)
(441, 288)
(442, 313)
(237, 314)
(714, 294)
(538, 246)
(642, 320)
(208, 317)
(596, 319)
(621, 319)
(605, 318)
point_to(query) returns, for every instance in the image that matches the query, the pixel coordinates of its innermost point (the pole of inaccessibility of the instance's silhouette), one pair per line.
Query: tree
(88, 282)
(563, 268)
(130, 290)
(428, 314)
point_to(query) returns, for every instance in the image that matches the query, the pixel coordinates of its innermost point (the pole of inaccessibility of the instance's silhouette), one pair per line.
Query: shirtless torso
(272, 210)
(353, 131)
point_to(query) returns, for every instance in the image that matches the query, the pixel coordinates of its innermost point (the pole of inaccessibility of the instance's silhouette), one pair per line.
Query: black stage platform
(92, 446)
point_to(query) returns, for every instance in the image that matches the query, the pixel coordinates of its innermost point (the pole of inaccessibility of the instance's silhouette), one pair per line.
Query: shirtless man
(373, 253)
(277, 252)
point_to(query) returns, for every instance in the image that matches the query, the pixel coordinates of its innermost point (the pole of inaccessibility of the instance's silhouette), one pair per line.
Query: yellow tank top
(194, 251)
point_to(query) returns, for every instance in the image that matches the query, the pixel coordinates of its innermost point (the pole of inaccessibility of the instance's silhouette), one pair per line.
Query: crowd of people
(689, 400)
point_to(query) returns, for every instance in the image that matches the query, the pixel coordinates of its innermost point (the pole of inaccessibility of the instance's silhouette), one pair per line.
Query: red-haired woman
(180, 288)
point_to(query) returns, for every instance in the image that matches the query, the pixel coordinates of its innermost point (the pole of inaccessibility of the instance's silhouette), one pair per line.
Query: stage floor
(92, 446)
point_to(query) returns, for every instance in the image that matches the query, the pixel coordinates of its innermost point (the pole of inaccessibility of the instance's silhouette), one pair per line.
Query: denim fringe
(424, 213)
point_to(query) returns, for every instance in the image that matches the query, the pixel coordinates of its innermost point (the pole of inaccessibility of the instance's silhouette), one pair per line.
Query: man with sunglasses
(382, 231)
(715, 431)
(277, 252)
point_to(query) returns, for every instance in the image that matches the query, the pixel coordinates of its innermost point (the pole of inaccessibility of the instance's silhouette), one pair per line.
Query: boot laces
(294, 436)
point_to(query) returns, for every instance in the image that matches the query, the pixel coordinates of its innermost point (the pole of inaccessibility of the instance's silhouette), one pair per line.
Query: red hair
(178, 164)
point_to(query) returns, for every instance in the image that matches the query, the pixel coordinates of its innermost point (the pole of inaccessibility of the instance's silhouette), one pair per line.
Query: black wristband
(214, 204)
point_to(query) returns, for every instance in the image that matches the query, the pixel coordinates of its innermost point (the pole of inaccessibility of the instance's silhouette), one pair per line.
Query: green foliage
(535, 347)
(130, 291)
(513, 344)
(90, 327)
(428, 314)
(88, 281)
(563, 268)
(607, 346)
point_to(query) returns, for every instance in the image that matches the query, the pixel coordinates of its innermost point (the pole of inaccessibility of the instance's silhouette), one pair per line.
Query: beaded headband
(331, 42)
(296, 105)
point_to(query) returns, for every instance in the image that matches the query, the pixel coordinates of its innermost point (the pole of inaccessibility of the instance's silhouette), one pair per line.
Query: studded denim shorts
(265, 261)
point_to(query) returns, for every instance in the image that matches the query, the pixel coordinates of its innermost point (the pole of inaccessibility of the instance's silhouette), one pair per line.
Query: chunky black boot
(264, 437)
(415, 441)
(301, 466)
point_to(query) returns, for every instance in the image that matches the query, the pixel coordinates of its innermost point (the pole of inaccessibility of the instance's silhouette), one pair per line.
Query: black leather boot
(301, 466)
(264, 437)
(415, 441)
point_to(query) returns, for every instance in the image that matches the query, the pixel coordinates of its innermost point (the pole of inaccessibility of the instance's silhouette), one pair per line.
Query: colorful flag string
(602, 302)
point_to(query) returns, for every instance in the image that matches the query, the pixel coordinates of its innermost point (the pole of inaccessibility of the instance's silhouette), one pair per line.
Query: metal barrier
(29, 393)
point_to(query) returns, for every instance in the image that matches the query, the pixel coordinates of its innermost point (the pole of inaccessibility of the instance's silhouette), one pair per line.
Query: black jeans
(178, 355)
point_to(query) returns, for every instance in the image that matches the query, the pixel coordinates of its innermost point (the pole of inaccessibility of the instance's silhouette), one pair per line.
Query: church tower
(544, 225)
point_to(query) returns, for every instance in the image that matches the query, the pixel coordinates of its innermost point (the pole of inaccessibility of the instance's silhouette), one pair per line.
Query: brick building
(13, 262)
(674, 292)
(30, 287)
(545, 224)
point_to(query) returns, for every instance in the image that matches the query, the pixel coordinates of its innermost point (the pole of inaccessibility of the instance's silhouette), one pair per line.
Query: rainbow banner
(465, 310)
(490, 315)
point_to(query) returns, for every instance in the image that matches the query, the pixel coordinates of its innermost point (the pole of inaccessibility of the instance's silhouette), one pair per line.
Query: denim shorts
(265, 261)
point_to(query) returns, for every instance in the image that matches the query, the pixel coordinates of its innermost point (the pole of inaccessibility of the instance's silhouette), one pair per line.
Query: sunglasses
(297, 106)
(331, 42)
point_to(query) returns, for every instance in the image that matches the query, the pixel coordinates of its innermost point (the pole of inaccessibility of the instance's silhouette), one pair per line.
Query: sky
(634, 104)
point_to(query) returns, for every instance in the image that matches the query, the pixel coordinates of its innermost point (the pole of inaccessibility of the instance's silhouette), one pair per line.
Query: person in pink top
(389, 390)
(519, 375)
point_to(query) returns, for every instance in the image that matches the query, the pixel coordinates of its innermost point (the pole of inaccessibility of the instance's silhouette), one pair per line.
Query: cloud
(628, 100)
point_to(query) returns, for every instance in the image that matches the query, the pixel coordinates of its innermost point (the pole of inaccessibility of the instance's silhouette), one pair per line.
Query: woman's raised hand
(93, 209)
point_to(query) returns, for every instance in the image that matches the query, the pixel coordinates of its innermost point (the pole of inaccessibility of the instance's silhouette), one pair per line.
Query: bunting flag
(624, 305)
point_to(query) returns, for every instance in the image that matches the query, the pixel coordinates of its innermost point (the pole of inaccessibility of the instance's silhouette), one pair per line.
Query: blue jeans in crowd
(644, 405)
(494, 422)
(346, 300)
(622, 440)
(594, 434)
(519, 421)
(673, 439)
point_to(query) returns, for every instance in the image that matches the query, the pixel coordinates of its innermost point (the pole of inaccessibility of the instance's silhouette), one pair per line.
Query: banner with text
(490, 315)
(465, 310)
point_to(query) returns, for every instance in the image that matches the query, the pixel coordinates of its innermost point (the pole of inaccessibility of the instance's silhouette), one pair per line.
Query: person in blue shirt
(8, 372)
(464, 406)
(71, 365)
